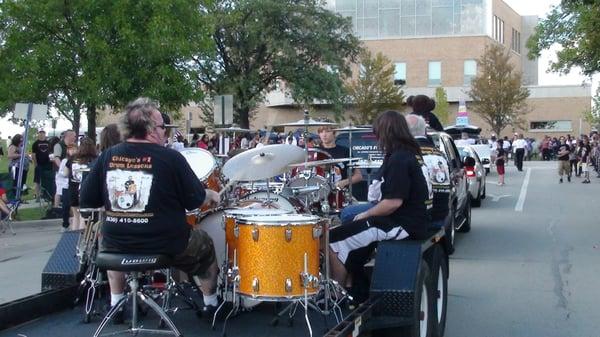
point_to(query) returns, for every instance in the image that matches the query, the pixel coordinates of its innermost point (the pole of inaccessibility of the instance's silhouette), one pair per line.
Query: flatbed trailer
(408, 297)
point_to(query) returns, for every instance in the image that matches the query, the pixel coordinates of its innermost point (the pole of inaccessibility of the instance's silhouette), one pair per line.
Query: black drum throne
(135, 265)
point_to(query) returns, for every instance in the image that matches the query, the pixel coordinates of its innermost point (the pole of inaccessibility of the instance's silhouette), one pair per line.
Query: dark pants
(65, 200)
(519, 154)
(545, 154)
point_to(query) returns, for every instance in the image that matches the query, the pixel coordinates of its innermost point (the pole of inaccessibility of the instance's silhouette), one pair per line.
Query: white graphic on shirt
(438, 169)
(128, 191)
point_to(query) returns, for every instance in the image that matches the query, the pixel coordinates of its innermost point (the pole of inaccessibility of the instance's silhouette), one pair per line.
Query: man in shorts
(151, 218)
(564, 165)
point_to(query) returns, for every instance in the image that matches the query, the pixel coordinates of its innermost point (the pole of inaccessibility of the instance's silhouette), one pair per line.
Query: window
(516, 41)
(435, 73)
(551, 126)
(498, 29)
(400, 73)
(470, 71)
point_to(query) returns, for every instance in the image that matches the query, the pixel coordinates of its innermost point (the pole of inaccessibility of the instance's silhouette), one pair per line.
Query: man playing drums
(401, 213)
(341, 180)
(146, 189)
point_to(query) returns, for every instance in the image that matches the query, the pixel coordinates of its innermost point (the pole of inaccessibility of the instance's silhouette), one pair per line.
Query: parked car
(484, 151)
(475, 174)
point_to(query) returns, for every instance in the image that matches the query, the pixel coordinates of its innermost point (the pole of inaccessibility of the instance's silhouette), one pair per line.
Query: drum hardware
(262, 163)
(255, 238)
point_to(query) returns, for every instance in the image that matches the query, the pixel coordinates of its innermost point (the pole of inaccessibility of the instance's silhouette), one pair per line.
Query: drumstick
(227, 186)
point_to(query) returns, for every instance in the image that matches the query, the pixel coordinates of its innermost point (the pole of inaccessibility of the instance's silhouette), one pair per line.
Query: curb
(33, 223)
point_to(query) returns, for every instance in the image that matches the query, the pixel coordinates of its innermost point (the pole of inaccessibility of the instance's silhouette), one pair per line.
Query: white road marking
(523, 194)
(497, 198)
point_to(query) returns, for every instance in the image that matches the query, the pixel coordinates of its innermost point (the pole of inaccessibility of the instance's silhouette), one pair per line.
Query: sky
(530, 7)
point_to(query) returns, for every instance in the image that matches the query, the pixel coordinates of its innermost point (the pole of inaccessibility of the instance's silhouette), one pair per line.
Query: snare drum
(278, 256)
(289, 203)
(205, 167)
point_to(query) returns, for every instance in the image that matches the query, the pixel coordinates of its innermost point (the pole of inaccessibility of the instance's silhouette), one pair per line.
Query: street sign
(39, 112)
(223, 110)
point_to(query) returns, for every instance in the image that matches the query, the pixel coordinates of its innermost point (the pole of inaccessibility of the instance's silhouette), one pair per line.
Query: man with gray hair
(437, 167)
(146, 189)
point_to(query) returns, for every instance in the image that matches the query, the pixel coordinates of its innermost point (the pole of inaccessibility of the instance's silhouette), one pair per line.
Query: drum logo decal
(128, 191)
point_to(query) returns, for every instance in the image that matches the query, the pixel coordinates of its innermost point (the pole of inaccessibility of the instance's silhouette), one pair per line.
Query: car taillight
(470, 170)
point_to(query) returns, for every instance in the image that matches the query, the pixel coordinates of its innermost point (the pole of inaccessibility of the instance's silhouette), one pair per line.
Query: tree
(374, 91)
(84, 55)
(441, 106)
(574, 26)
(496, 91)
(260, 42)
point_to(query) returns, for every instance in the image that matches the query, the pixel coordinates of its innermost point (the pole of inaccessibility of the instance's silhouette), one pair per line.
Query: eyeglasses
(162, 126)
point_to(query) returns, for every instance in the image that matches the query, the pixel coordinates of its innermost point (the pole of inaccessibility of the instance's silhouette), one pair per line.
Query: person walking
(564, 166)
(500, 160)
(42, 166)
(584, 154)
(519, 146)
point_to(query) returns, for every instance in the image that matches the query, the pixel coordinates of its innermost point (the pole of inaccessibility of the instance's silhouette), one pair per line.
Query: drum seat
(132, 262)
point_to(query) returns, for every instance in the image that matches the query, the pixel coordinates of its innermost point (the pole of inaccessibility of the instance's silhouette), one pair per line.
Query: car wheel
(477, 201)
(483, 194)
(439, 286)
(450, 231)
(466, 227)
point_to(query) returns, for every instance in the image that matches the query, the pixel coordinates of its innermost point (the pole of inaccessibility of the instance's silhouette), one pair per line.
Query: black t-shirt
(145, 189)
(561, 148)
(500, 153)
(338, 152)
(403, 179)
(584, 153)
(41, 150)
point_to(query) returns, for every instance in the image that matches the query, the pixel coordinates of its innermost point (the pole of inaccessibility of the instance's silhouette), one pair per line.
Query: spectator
(85, 155)
(14, 156)
(203, 142)
(43, 167)
(500, 160)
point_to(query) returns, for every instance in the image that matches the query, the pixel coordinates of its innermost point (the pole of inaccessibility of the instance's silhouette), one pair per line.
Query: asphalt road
(530, 272)
(529, 266)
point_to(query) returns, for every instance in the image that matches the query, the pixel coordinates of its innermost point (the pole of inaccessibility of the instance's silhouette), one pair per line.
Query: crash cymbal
(262, 163)
(307, 122)
(324, 162)
(232, 129)
(351, 128)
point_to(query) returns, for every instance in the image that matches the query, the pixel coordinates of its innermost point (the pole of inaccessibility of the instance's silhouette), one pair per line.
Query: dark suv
(364, 145)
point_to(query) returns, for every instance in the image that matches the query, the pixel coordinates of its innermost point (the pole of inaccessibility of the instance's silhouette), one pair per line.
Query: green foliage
(496, 91)
(574, 25)
(83, 55)
(260, 42)
(374, 90)
(442, 107)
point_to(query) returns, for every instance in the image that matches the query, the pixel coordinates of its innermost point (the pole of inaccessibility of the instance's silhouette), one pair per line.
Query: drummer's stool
(135, 265)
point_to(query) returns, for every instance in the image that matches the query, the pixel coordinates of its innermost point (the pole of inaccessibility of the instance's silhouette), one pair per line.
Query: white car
(475, 174)
(484, 151)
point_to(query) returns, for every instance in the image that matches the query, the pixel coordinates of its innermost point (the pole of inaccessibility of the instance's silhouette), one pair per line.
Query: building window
(400, 73)
(435, 73)
(498, 29)
(470, 71)
(516, 41)
(551, 126)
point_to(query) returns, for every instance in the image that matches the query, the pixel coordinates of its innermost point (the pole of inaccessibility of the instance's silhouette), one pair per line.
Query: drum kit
(271, 228)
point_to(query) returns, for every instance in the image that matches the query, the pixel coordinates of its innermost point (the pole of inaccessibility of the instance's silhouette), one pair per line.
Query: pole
(23, 154)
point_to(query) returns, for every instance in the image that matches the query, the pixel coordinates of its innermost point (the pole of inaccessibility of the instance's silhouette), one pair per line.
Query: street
(527, 268)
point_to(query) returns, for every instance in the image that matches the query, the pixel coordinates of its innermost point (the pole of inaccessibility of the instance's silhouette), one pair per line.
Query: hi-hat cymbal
(262, 163)
(351, 128)
(232, 129)
(324, 162)
(307, 122)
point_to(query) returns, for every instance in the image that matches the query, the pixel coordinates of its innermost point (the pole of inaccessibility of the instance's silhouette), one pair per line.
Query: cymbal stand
(348, 166)
(235, 275)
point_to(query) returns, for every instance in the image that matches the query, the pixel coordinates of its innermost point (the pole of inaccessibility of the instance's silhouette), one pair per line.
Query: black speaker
(63, 268)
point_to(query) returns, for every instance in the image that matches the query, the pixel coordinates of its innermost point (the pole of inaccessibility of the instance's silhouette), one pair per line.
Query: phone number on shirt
(126, 220)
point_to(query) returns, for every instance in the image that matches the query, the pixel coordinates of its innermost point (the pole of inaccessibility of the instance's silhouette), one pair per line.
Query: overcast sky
(523, 7)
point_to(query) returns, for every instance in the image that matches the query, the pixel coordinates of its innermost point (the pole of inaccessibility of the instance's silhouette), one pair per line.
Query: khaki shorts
(564, 167)
(197, 256)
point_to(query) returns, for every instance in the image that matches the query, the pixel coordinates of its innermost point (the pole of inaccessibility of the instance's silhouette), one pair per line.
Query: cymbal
(232, 129)
(324, 162)
(308, 122)
(351, 128)
(262, 163)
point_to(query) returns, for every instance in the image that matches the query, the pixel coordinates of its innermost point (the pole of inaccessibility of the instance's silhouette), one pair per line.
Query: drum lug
(255, 233)
(288, 233)
(236, 231)
(317, 231)
(223, 221)
(288, 285)
(255, 285)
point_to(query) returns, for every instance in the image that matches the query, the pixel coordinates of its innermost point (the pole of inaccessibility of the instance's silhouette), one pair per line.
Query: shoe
(119, 316)
(585, 182)
(560, 181)
(569, 178)
(207, 312)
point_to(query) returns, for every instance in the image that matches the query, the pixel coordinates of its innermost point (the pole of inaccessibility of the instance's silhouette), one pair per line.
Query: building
(435, 43)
